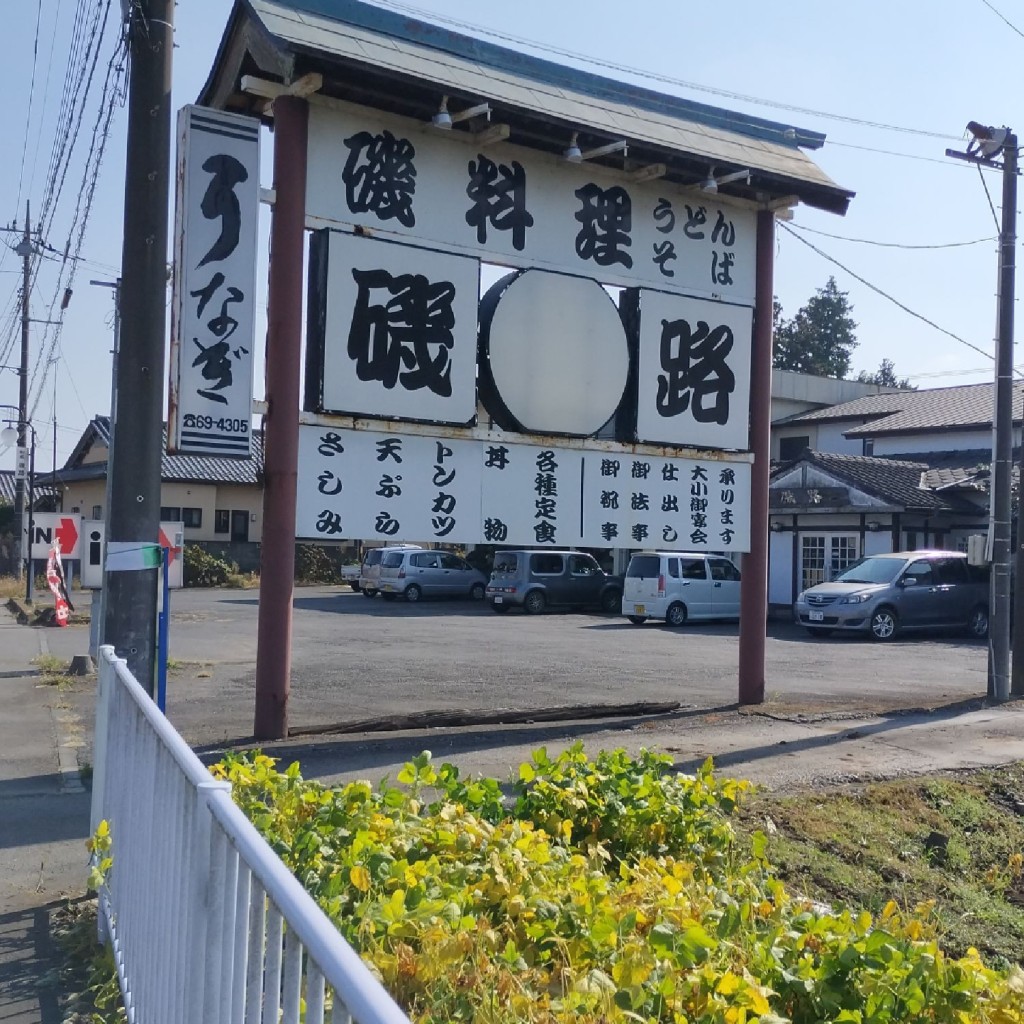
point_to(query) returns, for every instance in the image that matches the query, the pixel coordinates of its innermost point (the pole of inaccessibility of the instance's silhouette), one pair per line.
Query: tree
(885, 375)
(820, 338)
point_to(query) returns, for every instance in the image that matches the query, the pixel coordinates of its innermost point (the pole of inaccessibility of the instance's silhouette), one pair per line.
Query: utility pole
(24, 250)
(133, 523)
(986, 145)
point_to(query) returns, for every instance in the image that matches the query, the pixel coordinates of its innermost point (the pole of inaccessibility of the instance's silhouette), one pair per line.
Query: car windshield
(872, 570)
(644, 567)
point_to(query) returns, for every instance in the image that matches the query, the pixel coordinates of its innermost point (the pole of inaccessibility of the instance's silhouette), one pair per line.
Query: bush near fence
(611, 890)
(219, 564)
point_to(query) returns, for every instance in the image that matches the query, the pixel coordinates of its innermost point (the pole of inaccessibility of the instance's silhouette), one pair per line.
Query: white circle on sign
(557, 353)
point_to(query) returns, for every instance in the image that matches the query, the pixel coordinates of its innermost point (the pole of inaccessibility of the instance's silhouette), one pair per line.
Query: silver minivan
(881, 595)
(679, 586)
(413, 574)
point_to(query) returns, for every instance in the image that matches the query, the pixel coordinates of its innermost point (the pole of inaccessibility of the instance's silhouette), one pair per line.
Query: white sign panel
(694, 372)
(514, 206)
(94, 540)
(47, 527)
(400, 331)
(395, 487)
(213, 327)
(21, 463)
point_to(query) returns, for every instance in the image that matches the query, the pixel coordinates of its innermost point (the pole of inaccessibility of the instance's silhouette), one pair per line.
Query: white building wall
(903, 444)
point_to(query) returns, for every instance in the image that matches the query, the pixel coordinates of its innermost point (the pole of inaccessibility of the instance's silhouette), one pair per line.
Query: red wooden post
(281, 436)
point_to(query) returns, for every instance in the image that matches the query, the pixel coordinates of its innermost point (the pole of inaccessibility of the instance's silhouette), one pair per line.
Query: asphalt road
(355, 658)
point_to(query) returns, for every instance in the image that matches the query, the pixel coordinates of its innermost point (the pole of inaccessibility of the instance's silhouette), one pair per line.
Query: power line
(655, 76)
(1002, 18)
(890, 245)
(885, 295)
(31, 95)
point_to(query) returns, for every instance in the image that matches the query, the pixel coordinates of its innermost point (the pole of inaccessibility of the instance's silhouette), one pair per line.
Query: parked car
(907, 590)
(369, 573)
(535, 580)
(350, 574)
(678, 586)
(415, 573)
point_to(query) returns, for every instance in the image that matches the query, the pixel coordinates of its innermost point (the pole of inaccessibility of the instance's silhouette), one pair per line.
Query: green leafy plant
(607, 890)
(203, 569)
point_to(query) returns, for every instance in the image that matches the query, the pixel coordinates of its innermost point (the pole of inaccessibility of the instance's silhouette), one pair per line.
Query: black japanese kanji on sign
(606, 216)
(498, 194)
(380, 176)
(404, 336)
(696, 375)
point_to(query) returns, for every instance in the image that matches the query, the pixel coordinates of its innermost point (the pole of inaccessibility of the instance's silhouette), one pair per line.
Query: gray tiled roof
(208, 469)
(894, 481)
(969, 405)
(7, 488)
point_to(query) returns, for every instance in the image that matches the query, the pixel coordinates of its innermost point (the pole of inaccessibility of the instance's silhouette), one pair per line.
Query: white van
(680, 585)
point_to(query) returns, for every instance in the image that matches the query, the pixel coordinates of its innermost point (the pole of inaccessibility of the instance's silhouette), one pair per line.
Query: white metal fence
(206, 923)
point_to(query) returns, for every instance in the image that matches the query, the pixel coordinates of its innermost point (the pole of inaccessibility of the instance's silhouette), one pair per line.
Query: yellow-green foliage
(608, 890)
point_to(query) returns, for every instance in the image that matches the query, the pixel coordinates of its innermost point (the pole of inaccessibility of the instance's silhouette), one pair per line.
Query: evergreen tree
(820, 338)
(886, 375)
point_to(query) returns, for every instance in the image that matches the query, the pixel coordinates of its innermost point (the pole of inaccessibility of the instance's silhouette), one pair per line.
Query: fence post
(200, 901)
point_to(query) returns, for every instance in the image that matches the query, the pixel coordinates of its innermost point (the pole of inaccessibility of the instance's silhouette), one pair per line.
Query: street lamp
(9, 436)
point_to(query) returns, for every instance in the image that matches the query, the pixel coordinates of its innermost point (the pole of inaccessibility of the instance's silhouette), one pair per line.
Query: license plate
(499, 600)
(817, 616)
(639, 609)
(389, 588)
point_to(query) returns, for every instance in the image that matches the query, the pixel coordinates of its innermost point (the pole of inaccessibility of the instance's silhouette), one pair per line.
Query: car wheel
(388, 596)
(611, 601)
(355, 586)
(499, 608)
(637, 620)
(534, 602)
(977, 622)
(817, 631)
(412, 593)
(476, 592)
(884, 624)
(676, 614)
(368, 592)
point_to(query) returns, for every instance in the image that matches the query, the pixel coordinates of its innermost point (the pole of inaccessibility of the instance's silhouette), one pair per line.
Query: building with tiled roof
(938, 419)
(827, 509)
(218, 499)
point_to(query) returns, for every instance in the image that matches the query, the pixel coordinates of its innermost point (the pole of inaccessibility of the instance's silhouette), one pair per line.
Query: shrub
(609, 891)
(205, 570)
(315, 564)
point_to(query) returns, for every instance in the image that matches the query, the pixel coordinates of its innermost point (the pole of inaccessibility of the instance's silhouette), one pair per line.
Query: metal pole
(281, 430)
(25, 249)
(754, 581)
(134, 515)
(116, 286)
(31, 493)
(1002, 456)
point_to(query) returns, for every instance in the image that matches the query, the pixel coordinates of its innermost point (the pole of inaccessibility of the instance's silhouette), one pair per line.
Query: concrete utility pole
(986, 144)
(133, 521)
(24, 250)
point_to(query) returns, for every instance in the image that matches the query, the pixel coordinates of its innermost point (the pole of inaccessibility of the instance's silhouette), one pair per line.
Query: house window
(170, 513)
(222, 521)
(97, 512)
(791, 447)
(825, 556)
(192, 517)
(869, 446)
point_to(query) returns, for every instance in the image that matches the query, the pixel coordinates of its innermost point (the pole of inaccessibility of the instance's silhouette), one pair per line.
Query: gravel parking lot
(354, 658)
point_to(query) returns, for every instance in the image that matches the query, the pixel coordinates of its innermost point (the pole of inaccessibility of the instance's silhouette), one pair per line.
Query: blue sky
(924, 69)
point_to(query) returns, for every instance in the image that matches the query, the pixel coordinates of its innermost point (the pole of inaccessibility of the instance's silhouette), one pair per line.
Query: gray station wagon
(535, 580)
(907, 590)
(414, 573)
